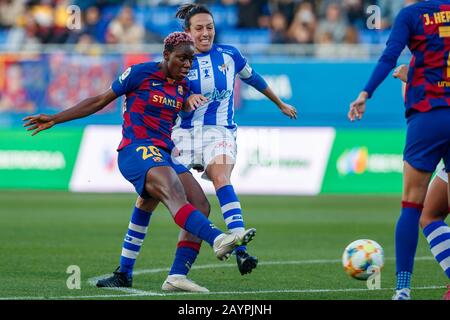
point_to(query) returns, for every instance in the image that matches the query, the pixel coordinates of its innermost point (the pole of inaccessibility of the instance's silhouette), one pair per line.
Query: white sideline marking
(149, 293)
(129, 292)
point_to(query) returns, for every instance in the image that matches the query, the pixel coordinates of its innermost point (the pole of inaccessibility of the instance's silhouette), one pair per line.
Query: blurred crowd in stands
(28, 22)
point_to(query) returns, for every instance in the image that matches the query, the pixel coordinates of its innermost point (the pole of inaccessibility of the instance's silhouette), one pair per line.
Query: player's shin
(137, 229)
(185, 255)
(438, 236)
(231, 211)
(406, 239)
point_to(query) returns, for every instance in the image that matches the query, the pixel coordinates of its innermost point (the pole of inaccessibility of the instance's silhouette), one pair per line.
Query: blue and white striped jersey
(213, 75)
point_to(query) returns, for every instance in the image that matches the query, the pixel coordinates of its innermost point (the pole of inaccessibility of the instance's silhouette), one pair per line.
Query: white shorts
(198, 146)
(440, 172)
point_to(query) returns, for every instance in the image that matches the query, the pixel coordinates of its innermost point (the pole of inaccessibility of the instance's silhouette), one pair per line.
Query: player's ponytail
(188, 10)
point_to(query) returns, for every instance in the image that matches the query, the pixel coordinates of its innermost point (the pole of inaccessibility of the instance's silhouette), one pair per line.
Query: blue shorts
(136, 159)
(428, 139)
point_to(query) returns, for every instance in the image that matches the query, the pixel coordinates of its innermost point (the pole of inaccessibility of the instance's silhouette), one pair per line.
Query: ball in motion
(362, 258)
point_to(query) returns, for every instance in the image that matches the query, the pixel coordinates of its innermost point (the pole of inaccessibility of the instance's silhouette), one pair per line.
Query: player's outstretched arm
(358, 107)
(285, 108)
(252, 78)
(80, 110)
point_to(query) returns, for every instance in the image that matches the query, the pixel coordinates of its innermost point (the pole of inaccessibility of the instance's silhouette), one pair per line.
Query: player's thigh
(162, 183)
(219, 151)
(136, 160)
(194, 193)
(436, 202)
(188, 147)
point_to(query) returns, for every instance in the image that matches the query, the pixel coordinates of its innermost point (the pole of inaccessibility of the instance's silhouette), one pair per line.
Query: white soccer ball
(363, 258)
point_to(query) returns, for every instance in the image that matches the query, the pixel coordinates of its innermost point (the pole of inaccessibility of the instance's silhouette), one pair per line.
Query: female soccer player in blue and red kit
(155, 93)
(425, 28)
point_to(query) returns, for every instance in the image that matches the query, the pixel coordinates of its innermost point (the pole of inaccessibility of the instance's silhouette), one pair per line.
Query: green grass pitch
(299, 244)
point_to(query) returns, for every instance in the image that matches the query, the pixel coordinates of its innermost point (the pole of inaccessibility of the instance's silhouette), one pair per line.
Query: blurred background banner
(316, 55)
(42, 162)
(365, 161)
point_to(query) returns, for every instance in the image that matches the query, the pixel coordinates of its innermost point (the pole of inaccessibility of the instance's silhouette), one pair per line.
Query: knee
(146, 205)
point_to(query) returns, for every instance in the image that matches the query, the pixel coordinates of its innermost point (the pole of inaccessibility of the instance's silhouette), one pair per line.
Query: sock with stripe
(231, 210)
(137, 229)
(193, 221)
(406, 239)
(187, 252)
(438, 236)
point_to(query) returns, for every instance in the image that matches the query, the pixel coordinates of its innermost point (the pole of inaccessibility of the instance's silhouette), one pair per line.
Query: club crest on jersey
(180, 90)
(223, 68)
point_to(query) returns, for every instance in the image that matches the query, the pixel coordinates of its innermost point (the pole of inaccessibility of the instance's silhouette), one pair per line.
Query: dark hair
(175, 38)
(188, 10)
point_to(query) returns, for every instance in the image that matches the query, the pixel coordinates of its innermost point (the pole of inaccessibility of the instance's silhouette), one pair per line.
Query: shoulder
(230, 50)
(145, 67)
(141, 70)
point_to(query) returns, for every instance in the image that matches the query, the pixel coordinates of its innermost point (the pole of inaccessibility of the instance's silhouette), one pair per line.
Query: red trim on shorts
(189, 244)
(406, 204)
(183, 214)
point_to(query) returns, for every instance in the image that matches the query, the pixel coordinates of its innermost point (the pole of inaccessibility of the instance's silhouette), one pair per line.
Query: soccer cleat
(402, 294)
(225, 243)
(447, 294)
(181, 283)
(246, 263)
(118, 279)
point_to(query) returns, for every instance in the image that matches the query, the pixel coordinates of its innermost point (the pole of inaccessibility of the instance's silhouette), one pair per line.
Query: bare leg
(436, 203)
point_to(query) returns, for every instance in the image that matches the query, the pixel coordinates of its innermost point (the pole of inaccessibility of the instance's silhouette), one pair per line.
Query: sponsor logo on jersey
(125, 74)
(193, 75)
(218, 95)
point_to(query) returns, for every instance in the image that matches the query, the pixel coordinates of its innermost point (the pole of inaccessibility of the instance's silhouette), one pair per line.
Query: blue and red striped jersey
(425, 28)
(152, 104)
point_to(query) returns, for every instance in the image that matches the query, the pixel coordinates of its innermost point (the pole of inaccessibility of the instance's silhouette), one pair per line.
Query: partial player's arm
(80, 110)
(193, 102)
(401, 72)
(397, 41)
(252, 78)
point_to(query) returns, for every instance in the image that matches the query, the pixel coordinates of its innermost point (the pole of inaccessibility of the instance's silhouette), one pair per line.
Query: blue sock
(193, 221)
(438, 236)
(231, 210)
(406, 238)
(185, 256)
(137, 229)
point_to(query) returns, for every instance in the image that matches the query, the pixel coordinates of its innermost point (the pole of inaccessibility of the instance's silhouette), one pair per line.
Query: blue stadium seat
(225, 17)
(256, 37)
(161, 20)
(4, 36)
(373, 36)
